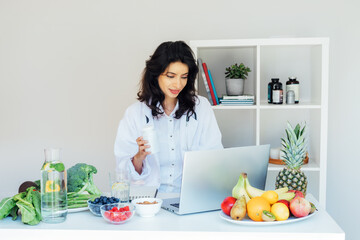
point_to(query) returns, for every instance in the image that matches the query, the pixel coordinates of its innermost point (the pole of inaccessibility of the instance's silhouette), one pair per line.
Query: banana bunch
(244, 188)
(239, 189)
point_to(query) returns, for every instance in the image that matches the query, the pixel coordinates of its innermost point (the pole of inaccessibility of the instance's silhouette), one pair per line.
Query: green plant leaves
(295, 145)
(36, 200)
(27, 211)
(28, 202)
(6, 205)
(57, 166)
(13, 212)
(237, 71)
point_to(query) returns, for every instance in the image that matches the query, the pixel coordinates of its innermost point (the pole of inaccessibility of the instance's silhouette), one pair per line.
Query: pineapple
(295, 152)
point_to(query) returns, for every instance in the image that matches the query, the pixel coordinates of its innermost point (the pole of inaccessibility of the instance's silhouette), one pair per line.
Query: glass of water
(120, 185)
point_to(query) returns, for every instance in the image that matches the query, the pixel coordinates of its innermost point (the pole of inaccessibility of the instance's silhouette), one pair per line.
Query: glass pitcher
(53, 188)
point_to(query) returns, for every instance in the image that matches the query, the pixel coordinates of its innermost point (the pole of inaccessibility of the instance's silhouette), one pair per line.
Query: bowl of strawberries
(117, 213)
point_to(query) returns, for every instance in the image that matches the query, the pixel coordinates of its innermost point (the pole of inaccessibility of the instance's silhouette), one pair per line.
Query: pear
(313, 208)
(239, 188)
(238, 211)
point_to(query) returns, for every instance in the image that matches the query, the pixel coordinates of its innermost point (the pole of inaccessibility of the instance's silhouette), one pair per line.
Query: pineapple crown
(295, 146)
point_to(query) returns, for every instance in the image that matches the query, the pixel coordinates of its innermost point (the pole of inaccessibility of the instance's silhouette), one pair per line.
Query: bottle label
(295, 88)
(277, 96)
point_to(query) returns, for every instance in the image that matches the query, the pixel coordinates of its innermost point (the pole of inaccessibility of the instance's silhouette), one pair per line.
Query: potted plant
(234, 79)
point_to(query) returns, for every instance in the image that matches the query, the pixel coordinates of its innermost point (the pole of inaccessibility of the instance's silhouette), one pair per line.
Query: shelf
(311, 166)
(224, 107)
(301, 105)
(265, 105)
(221, 43)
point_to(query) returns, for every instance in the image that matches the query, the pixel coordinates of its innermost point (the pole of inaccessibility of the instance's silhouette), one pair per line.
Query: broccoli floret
(80, 179)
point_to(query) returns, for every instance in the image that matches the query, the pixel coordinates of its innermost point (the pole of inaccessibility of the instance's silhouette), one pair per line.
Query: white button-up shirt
(175, 136)
(168, 128)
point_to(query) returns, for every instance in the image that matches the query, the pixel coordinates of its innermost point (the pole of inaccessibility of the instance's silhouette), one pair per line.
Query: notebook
(142, 192)
(209, 176)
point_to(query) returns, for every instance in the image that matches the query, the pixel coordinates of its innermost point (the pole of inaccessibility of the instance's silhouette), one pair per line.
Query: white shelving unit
(263, 123)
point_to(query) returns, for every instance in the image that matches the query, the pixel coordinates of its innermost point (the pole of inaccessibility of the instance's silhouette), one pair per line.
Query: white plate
(247, 221)
(73, 210)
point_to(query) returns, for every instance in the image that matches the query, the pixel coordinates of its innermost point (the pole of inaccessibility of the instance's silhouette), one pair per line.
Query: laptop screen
(209, 176)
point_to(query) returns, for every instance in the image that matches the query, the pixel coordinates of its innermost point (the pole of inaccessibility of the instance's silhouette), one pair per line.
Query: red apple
(286, 202)
(227, 204)
(297, 193)
(300, 207)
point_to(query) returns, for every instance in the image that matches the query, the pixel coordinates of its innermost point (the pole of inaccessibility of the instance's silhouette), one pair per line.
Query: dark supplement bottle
(270, 86)
(277, 92)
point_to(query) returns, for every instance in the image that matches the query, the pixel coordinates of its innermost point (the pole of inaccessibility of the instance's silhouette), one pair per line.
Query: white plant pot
(234, 86)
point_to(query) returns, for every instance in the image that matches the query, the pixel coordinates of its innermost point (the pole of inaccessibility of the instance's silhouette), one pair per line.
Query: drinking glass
(120, 185)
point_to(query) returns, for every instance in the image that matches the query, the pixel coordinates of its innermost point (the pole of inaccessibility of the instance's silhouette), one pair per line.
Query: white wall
(68, 70)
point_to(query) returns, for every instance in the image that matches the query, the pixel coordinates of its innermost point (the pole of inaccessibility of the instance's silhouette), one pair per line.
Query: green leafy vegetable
(27, 211)
(14, 212)
(36, 200)
(80, 179)
(29, 204)
(6, 205)
(37, 182)
(20, 197)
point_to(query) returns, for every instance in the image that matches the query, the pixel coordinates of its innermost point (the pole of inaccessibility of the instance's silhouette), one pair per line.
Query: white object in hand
(149, 134)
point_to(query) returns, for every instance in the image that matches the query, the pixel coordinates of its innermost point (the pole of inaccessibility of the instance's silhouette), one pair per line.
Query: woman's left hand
(141, 154)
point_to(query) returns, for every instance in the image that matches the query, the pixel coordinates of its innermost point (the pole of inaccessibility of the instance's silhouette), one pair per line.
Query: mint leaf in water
(59, 167)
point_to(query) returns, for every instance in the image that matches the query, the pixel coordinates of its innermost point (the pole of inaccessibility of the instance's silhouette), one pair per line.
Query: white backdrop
(68, 70)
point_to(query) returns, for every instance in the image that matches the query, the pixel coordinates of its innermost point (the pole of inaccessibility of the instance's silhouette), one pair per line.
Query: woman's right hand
(141, 154)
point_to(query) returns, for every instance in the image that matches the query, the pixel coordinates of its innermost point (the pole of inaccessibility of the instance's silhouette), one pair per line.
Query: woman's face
(173, 80)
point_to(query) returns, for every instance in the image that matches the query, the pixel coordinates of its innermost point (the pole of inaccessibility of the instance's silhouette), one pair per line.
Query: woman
(182, 121)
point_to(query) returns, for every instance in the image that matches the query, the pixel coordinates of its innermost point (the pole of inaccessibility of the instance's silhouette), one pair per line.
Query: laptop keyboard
(175, 205)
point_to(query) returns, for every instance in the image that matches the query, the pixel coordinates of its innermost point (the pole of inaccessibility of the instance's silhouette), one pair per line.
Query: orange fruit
(281, 211)
(255, 207)
(271, 196)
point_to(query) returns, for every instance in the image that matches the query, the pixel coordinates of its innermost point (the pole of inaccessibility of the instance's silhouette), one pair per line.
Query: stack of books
(237, 100)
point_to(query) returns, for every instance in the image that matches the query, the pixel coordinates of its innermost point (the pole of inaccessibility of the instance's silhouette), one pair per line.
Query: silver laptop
(209, 176)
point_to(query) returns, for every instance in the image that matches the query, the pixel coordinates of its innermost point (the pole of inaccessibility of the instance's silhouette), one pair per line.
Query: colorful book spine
(209, 83)
(200, 64)
(213, 87)
(224, 100)
(237, 103)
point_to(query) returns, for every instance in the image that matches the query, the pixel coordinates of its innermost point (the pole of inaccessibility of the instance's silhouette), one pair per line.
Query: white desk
(166, 225)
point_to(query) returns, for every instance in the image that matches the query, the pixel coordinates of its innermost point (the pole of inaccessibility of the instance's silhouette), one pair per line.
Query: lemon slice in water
(46, 167)
(119, 186)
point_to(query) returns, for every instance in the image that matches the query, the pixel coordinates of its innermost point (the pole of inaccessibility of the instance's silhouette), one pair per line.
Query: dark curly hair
(150, 92)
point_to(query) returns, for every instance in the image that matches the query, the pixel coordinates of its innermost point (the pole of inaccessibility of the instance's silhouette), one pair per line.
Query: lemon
(281, 211)
(119, 186)
(46, 167)
(271, 196)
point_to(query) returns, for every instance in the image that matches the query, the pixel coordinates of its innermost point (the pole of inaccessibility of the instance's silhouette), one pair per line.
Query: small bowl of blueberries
(94, 205)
